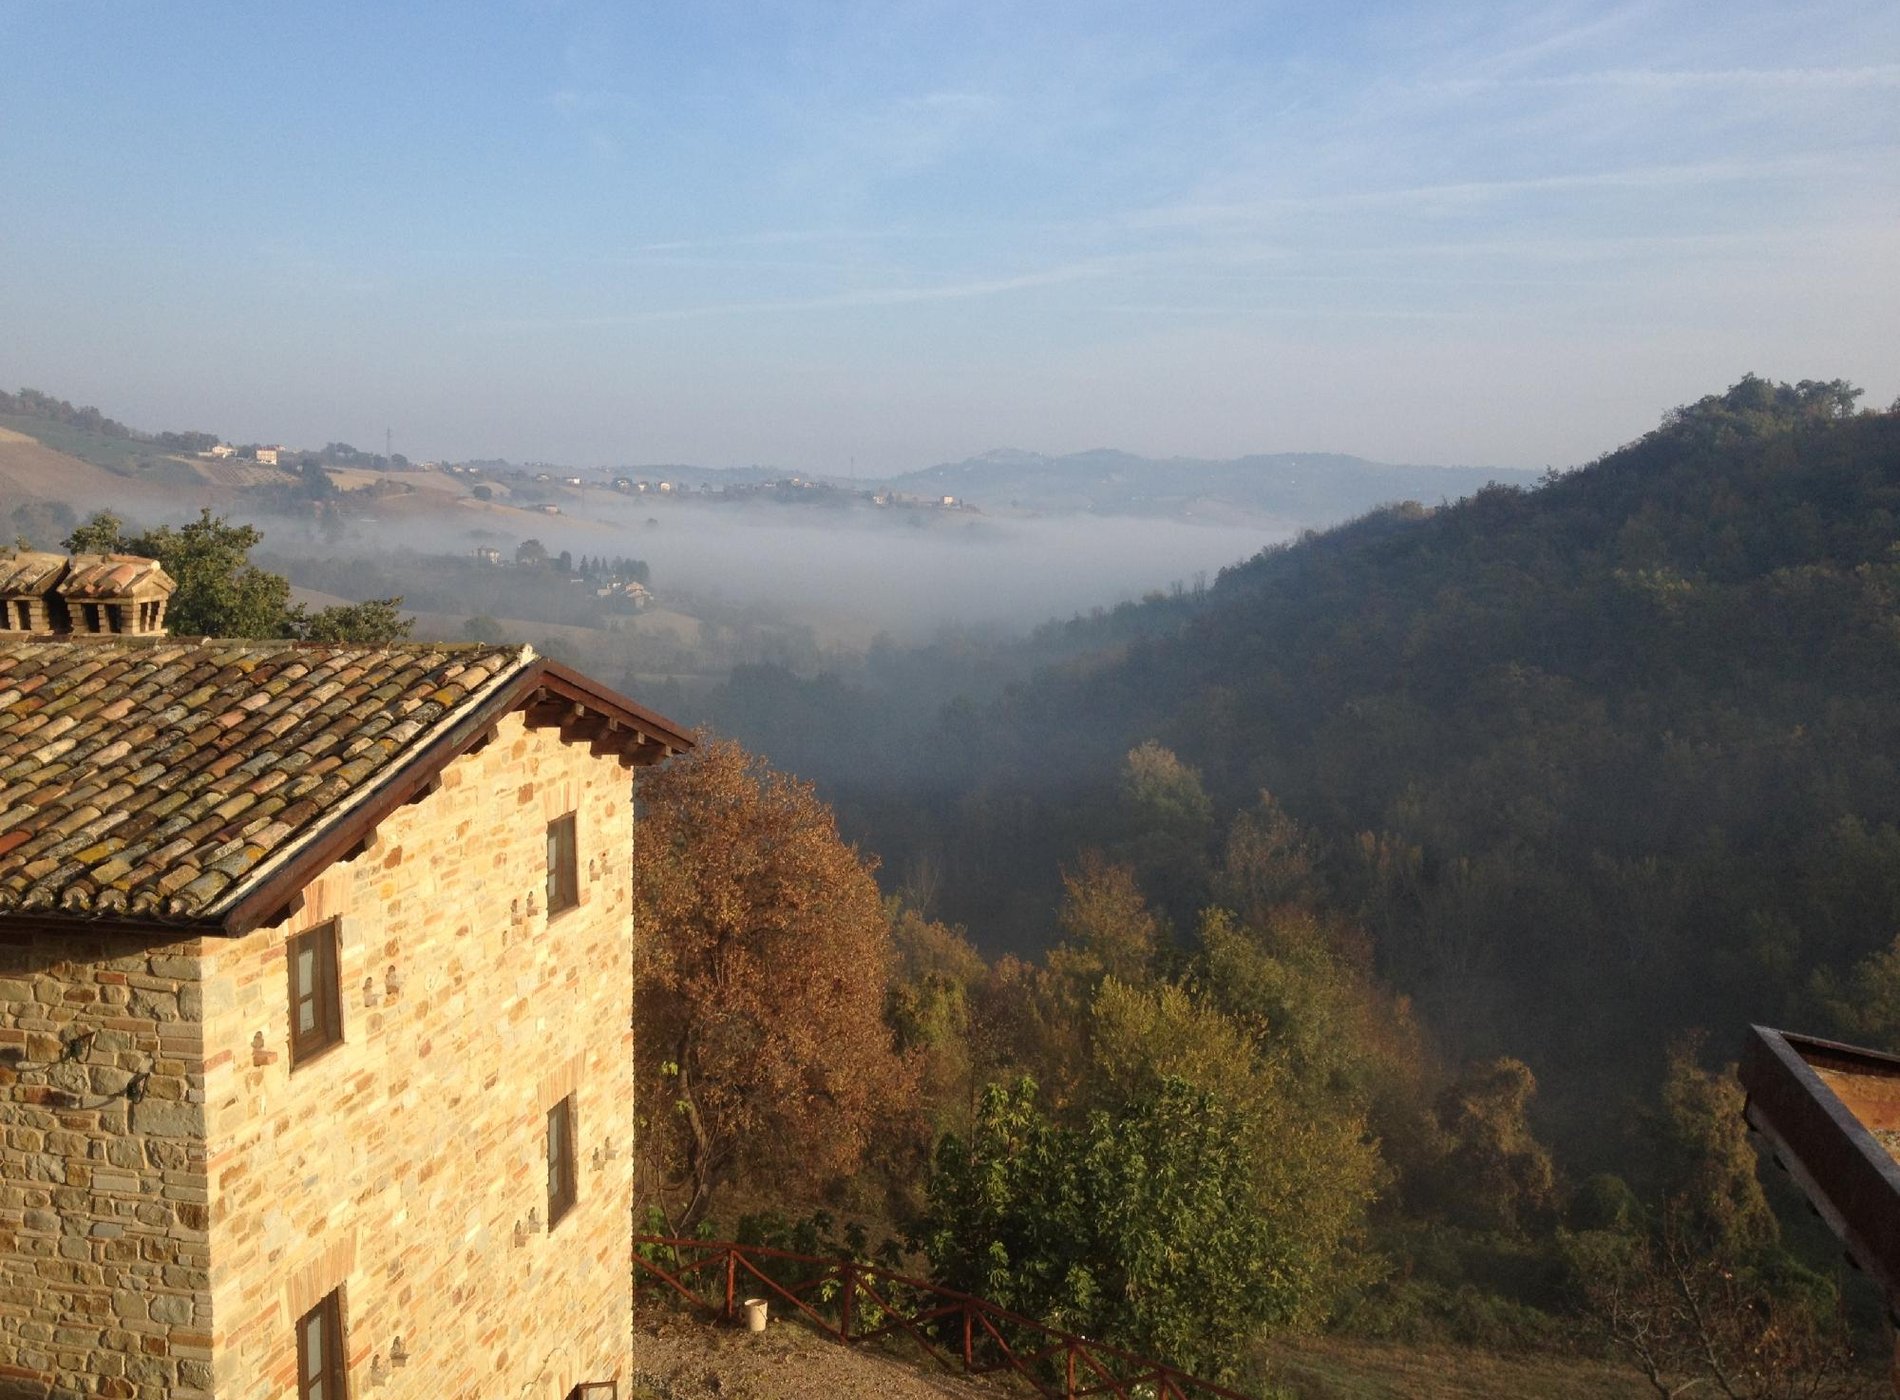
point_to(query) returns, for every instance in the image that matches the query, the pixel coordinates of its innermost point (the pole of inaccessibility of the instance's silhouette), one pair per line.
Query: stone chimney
(106, 595)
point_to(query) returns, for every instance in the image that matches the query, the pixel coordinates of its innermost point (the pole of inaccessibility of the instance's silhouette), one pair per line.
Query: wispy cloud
(1878, 76)
(1683, 176)
(1232, 312)
(1559, 34)
(1174, 197)
(864, 297)
(770, 238)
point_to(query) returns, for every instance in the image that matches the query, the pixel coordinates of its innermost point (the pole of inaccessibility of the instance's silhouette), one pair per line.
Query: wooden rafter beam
(584, 728)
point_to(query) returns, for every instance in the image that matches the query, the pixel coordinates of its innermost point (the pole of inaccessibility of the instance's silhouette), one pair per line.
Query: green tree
(102, 533)
(314, 482)
(1707, 1159)
(1139, 1227)
(1108, 929)
(375, 622)
(1311, 1163)
(930, 1006)
(1864, 1007)
(1166, 794)
(1698, 1293)
(221, 593)
(1168, 822)
(1495, 1174)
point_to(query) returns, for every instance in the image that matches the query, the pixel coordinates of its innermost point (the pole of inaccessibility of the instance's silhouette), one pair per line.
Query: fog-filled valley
(1172, 702)
(1536, 794)
(851, 578)
(738, 566)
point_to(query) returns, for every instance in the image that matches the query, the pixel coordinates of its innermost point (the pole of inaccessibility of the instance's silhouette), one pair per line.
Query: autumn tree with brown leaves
(764, 953)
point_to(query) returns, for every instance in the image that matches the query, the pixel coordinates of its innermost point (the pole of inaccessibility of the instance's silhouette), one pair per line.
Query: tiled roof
(104, 576)
(152, 778)
(25, 571)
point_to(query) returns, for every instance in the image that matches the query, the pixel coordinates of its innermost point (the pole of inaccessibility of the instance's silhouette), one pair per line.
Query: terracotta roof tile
(104, 576)
(154, 776)
(27, 571)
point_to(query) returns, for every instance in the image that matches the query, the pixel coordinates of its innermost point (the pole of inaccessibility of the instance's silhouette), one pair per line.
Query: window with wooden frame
(320, 1368)
(595, 1390)
(564, 878)
(563, 1189)
(316, 1001)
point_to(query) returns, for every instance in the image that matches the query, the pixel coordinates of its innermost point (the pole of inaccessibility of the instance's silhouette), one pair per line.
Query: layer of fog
(862, 569)
(851, 573)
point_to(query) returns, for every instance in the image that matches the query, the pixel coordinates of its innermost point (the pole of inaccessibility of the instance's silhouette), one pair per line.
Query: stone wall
(104, 1274)
(165, 1248)
(407, 1165)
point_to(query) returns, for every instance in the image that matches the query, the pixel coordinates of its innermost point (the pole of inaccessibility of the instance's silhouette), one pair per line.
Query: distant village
(526, 486)
(776, 489)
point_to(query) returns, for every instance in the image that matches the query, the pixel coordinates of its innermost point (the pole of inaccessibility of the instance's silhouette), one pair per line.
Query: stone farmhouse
(315, 1019)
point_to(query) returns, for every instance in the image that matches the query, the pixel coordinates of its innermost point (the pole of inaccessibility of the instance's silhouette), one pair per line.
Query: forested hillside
(1594, 763)
(1382, 920)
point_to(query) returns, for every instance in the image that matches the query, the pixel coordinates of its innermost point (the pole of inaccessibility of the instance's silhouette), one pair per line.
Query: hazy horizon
(904, 235)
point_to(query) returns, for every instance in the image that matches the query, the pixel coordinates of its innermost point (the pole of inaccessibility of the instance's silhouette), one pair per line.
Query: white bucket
(755, 1314)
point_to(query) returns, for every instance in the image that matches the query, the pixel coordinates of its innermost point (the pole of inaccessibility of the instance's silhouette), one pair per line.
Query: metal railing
(853, 1303)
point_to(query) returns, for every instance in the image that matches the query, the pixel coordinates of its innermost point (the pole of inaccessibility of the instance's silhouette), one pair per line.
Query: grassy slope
(32, 471)
(115, 454)
(1338, 1368)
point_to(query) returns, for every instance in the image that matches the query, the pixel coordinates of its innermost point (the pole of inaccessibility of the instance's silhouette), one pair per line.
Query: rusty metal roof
(154, 780)
(1831, 1114)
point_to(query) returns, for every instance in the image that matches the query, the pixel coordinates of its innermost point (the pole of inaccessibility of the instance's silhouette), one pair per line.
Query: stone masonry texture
(104, 1240)
(167, 1248)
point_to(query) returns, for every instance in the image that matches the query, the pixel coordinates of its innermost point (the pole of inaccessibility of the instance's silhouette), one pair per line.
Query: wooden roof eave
(606, 721)
(146, 930)
(1852, 1181)
(416, 778)
(656, 737)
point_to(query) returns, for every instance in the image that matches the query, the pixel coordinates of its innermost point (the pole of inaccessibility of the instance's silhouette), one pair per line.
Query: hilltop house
(267, 456)
(315, 1009)
(631, 591)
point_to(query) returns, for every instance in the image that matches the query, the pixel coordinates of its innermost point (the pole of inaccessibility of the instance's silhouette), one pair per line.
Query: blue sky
(810, 233)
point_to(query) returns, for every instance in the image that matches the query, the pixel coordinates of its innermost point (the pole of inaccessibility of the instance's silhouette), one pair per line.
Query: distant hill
(1625, 745)
(1595, 763)
(33, 473)
(1308, 488)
